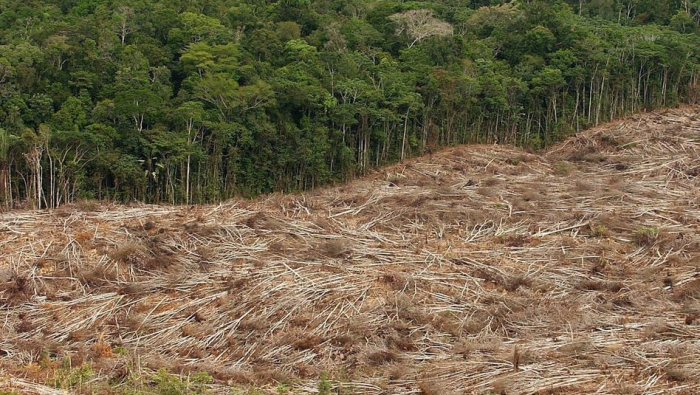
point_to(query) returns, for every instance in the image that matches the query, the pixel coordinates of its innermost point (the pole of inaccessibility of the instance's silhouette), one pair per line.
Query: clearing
(479, 269)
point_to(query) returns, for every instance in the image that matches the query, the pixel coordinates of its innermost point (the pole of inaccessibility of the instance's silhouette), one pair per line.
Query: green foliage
(562, 169)
(164, 383)
(168, 384)
(324, 385)
(683, 22)
(599, 231)
(646, 235)
(196, 102)
(281, 389)
(67, 378)
(513, 161)
(119, 350)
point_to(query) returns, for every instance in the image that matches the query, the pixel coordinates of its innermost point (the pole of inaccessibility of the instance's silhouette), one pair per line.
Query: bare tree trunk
(4, 174)
(34, 158)
(405, 134)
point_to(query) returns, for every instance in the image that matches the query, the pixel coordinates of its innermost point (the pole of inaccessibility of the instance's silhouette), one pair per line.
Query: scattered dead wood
(481, 268)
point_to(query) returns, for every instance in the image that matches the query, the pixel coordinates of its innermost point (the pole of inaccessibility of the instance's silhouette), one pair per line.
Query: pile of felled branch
(481, 268)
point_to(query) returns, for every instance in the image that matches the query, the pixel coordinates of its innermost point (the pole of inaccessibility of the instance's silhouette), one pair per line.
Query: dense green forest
(188, 101)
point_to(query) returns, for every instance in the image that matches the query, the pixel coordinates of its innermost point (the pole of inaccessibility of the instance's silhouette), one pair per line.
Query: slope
(474, 270)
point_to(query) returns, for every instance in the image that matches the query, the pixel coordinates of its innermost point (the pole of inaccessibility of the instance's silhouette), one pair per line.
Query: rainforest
(184, 102)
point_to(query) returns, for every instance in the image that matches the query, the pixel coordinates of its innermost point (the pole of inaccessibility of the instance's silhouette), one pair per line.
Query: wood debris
(480, 268)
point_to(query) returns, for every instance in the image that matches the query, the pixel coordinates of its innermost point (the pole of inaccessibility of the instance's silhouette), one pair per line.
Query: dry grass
(479, 269)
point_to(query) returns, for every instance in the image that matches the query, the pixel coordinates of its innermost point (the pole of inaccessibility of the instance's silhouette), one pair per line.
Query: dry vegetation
(481, 269)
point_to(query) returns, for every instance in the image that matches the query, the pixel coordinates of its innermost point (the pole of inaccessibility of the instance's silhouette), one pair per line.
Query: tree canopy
(187, 102)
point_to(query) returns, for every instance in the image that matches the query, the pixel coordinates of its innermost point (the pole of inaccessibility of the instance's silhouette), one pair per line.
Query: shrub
(67, 378)
(600, 231)
(169, 384)
(324, 385)
(646, 235)
(562, 169)
(513, 161)
(119, 350)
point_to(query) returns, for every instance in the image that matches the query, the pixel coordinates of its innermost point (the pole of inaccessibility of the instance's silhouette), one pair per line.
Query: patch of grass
(562, 169)
(646, 236)
(67, 378)
(513, 161)
(169, 384)
(599, 265)
(119, 350)
(599, 231)
(324, 385)
(283, 388)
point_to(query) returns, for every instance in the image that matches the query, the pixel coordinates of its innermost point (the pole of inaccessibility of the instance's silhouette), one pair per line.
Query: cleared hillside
(477, 269)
